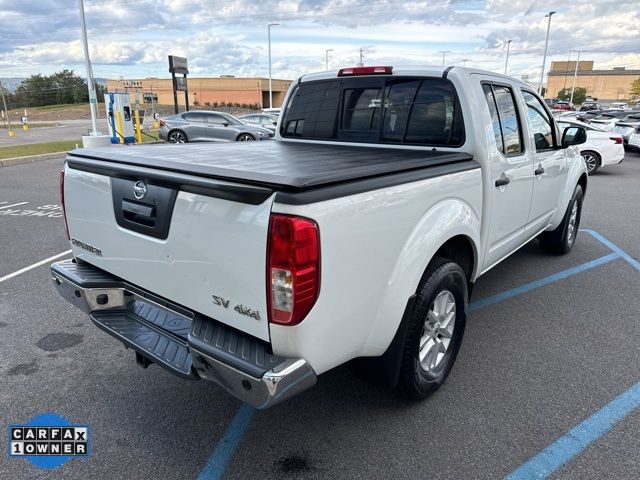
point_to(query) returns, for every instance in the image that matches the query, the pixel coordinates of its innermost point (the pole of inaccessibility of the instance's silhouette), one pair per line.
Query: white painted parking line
(14, 205)
(2, 203)
(26, 269)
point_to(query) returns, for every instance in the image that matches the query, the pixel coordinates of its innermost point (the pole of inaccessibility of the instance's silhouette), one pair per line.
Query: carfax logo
(48, 441)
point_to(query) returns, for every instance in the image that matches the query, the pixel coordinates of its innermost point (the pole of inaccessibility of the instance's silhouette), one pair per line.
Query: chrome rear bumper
(185, 343)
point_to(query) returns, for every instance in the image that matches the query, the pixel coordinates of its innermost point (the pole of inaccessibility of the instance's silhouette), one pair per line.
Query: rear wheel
(592, 159)
(562, 239)
(435, 329)
(245, 137)
(177, 137)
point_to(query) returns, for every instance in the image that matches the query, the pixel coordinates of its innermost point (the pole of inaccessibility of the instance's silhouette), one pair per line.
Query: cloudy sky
(132, 38)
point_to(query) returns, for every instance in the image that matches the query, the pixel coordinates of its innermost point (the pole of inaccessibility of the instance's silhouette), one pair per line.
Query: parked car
(634, 140)
(601, 148)
(625, 126)
(561, 114)
(261, 119)
(204, 125)
(356, 235)
(551, 101)
(562, 105)
(589, 106)
(619, 105)
(607, 120)
(271, 111)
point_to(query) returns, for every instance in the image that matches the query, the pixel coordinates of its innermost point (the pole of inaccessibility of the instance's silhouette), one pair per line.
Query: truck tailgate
(205, 253)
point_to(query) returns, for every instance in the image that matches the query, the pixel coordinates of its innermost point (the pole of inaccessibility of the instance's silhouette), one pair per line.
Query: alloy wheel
(437, 331)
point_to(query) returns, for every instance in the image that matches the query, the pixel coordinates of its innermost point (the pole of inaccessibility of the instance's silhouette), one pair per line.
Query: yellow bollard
(25, 127)
(136, 118)
(119, 127)
(12, 133)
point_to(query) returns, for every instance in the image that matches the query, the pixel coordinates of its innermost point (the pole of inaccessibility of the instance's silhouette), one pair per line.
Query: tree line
(42, 90)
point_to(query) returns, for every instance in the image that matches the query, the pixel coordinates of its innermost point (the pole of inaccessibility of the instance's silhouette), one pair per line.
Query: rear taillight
(162, 123)
(64, 211)
(618, 140)
(293, 268)
(353, 71)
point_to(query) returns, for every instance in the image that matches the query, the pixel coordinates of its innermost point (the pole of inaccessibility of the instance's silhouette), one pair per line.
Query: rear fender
(443, 221)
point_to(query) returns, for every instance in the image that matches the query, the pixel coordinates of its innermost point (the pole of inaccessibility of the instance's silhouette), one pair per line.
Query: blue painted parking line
(578, 438)
(527, 287)
(228, 444)
(219, 460)
(632, 261)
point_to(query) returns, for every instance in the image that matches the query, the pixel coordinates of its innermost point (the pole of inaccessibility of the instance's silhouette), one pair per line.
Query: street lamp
(444, 54)
(546, 45)
(90, 85)
(464, 62)
(326, 58)
(270, 88)
(506, 62)
(575, 74)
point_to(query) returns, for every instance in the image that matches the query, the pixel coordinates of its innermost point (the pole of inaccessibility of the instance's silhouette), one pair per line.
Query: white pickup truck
(355, 236)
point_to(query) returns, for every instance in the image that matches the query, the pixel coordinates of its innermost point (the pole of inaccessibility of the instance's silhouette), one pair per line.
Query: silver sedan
(203, 125)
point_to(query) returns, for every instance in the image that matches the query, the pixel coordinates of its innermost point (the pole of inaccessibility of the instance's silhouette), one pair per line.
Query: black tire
(561, 240)
(442, 275)
(592, 160)
(177, 136)
(245, 137)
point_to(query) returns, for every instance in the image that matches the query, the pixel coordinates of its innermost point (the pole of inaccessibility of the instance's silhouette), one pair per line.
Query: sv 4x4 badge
(241, 309)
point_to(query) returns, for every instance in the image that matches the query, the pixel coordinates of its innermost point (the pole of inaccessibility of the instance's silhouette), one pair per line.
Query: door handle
(539, 170)
(502, 181)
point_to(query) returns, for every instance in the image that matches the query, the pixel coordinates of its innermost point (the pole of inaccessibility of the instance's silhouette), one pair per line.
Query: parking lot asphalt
(64, 130)
(534, 364)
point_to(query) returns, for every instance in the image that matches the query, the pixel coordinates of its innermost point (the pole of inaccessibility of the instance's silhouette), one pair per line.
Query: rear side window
(385, 110)
(313, 110)
(501, 101)
(193, 117)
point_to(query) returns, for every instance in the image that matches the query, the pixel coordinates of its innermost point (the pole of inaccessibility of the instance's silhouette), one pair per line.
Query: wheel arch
(245, 133)
(178, 129)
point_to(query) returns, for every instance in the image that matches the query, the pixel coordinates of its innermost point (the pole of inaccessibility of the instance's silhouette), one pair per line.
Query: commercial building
(605, 85)
(204, 91)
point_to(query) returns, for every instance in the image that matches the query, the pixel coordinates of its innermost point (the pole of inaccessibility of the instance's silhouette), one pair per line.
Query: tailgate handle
(139, 213)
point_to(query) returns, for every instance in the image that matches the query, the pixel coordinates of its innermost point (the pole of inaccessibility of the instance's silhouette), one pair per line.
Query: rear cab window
(392, 110)
(505, 118)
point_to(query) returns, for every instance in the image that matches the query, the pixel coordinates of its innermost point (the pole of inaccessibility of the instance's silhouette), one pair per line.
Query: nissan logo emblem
(139, 189)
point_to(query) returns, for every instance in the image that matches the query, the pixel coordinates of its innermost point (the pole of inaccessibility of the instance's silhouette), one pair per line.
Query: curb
(31, 158)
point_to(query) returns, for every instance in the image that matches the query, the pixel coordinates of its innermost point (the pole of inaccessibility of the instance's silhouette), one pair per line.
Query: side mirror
(573, 136)
(225, 124)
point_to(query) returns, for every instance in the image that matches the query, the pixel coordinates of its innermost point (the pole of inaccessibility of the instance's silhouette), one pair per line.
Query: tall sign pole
(93, 99)
(179, 65)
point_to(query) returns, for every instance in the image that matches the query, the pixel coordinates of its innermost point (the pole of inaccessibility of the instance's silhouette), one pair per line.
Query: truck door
(550, 166)
(511, 175)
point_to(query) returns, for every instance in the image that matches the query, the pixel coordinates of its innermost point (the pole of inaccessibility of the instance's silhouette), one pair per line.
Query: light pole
(270, 88)
(464, 62)
(362, 51)
(575, 75)
(90, 85)
(506, 61)
(544, 57)
(326, 58)
(444, 54)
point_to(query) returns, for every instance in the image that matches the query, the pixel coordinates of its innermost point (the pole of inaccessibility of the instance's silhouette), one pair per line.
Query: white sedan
(601, 148)
(634, 140)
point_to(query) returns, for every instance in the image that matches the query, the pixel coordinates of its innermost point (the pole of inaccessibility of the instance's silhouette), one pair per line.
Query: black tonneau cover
(270, 166)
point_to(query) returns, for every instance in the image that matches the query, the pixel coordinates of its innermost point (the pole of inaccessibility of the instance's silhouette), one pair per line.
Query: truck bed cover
(288, 166)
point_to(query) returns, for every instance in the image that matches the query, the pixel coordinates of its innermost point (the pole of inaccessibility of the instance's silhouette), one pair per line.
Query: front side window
(215, 119)
(396, 110)
(541, 124)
